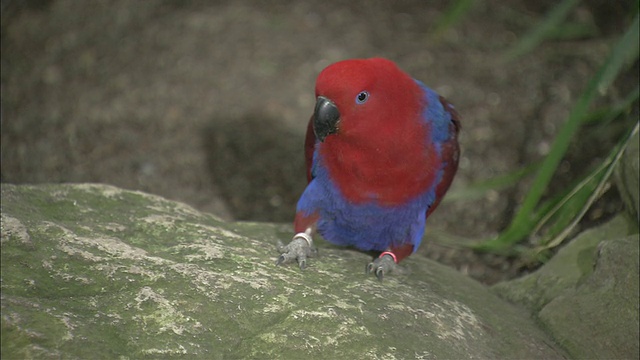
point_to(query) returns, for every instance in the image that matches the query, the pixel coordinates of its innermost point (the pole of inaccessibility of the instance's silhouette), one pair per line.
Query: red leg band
(395, 259)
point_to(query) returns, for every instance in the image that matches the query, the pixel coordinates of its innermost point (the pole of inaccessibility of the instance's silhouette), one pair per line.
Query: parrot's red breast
(380, 150)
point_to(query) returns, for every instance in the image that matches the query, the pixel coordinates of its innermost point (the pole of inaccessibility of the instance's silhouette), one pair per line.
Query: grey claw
(300, 248)
(380, 266)
(369, 268)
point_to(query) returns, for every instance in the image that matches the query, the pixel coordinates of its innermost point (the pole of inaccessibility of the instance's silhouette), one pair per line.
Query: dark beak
(325, 118)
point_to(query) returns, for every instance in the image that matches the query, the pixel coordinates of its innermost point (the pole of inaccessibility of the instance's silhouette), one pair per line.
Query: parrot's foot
(384, 264)
(300, 248)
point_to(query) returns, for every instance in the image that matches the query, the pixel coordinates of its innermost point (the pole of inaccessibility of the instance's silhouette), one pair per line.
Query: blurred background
(207, 102)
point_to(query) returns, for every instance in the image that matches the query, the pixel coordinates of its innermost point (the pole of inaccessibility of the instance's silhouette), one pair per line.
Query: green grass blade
(451, 16)
(478, 190)
(542, 31)
(522, 222)
(573, 31)
(624, 53)
(606, 114)
(581, 198)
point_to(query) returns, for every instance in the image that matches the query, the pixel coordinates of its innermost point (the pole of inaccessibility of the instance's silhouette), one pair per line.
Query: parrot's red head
(372, 139)
(353, 90)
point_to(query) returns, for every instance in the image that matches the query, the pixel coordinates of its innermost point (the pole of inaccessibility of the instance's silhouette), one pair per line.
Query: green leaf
(572, 31)
(624, 51)
(451, 16)
(542, 31)
(480, 189)
(606, 114)
(570, 210)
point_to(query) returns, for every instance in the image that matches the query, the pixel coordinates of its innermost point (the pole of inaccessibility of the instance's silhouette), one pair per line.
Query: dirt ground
(207, 102)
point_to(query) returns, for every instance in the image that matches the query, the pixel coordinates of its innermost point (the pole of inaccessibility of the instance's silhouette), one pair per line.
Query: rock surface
(586, 296)
(93, 271)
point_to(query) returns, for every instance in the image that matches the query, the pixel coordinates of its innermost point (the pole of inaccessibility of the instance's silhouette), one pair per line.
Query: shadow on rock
(257, 165)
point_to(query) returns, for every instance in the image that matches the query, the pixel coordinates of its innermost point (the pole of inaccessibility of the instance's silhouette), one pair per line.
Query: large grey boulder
(586, 296)
(93, 271)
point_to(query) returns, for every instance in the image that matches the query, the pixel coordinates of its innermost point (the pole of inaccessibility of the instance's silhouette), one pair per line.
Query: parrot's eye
(362, 97)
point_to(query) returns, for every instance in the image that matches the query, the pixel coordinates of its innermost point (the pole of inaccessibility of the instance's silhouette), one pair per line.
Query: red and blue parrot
(381, 151)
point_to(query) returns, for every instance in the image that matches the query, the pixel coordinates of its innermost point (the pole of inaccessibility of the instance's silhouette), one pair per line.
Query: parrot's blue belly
(369, 226)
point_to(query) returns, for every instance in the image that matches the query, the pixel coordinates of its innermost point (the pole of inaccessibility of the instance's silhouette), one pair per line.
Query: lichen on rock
(92, 269)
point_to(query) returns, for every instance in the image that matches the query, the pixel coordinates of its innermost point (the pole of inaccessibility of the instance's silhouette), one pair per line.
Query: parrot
(381, 150)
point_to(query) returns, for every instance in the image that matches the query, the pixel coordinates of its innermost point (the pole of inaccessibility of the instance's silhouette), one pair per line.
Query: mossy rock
(586, 296)
(93, 271)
